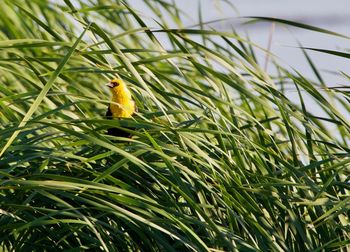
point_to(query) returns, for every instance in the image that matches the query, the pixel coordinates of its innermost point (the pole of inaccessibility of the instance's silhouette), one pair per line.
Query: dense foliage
(221, 159)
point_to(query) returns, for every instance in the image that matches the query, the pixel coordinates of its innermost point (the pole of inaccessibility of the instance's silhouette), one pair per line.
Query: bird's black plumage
(116, 131)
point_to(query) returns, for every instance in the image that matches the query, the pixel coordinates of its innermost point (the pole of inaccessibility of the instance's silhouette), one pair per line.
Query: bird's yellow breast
(122, 109)
(122, 104)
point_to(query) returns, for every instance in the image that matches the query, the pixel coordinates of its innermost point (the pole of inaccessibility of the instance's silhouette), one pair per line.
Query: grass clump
(221, 159)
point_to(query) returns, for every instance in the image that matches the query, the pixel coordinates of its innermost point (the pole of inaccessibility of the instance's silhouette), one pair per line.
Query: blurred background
(228, 14)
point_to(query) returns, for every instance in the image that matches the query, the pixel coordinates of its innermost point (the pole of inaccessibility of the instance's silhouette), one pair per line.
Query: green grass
(221, 159)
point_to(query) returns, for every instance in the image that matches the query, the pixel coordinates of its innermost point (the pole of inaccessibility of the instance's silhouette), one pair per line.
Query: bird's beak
(109, 84)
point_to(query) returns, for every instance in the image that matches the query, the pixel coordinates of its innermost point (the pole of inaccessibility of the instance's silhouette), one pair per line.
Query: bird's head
(119, 89)
(115, 85)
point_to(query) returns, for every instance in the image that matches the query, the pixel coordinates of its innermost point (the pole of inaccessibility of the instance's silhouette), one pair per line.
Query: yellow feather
(122, 104)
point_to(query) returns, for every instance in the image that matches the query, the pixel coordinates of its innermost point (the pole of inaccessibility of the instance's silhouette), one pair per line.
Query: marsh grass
(221, 159)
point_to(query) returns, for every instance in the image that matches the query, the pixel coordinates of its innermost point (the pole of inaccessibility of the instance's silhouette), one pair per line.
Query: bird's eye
(115, 83)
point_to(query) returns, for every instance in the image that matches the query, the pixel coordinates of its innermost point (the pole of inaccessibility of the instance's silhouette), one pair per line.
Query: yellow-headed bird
(122, 105)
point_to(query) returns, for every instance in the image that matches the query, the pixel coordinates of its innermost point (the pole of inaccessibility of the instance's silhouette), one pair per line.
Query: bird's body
(122, 105)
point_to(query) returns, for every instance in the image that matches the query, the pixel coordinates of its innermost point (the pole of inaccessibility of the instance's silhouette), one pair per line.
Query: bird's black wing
(109, 114)
(115, 131)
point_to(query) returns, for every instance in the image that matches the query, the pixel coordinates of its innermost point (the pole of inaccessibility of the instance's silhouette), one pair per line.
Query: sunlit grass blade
(43, 92)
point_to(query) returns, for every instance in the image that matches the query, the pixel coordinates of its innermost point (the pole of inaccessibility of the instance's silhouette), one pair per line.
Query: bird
(122, 106)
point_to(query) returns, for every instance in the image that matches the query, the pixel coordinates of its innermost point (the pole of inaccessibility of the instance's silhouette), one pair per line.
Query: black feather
(109, 114)
(116, 131)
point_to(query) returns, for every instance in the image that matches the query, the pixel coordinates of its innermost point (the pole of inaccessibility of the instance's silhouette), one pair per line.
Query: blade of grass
(44, 91)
